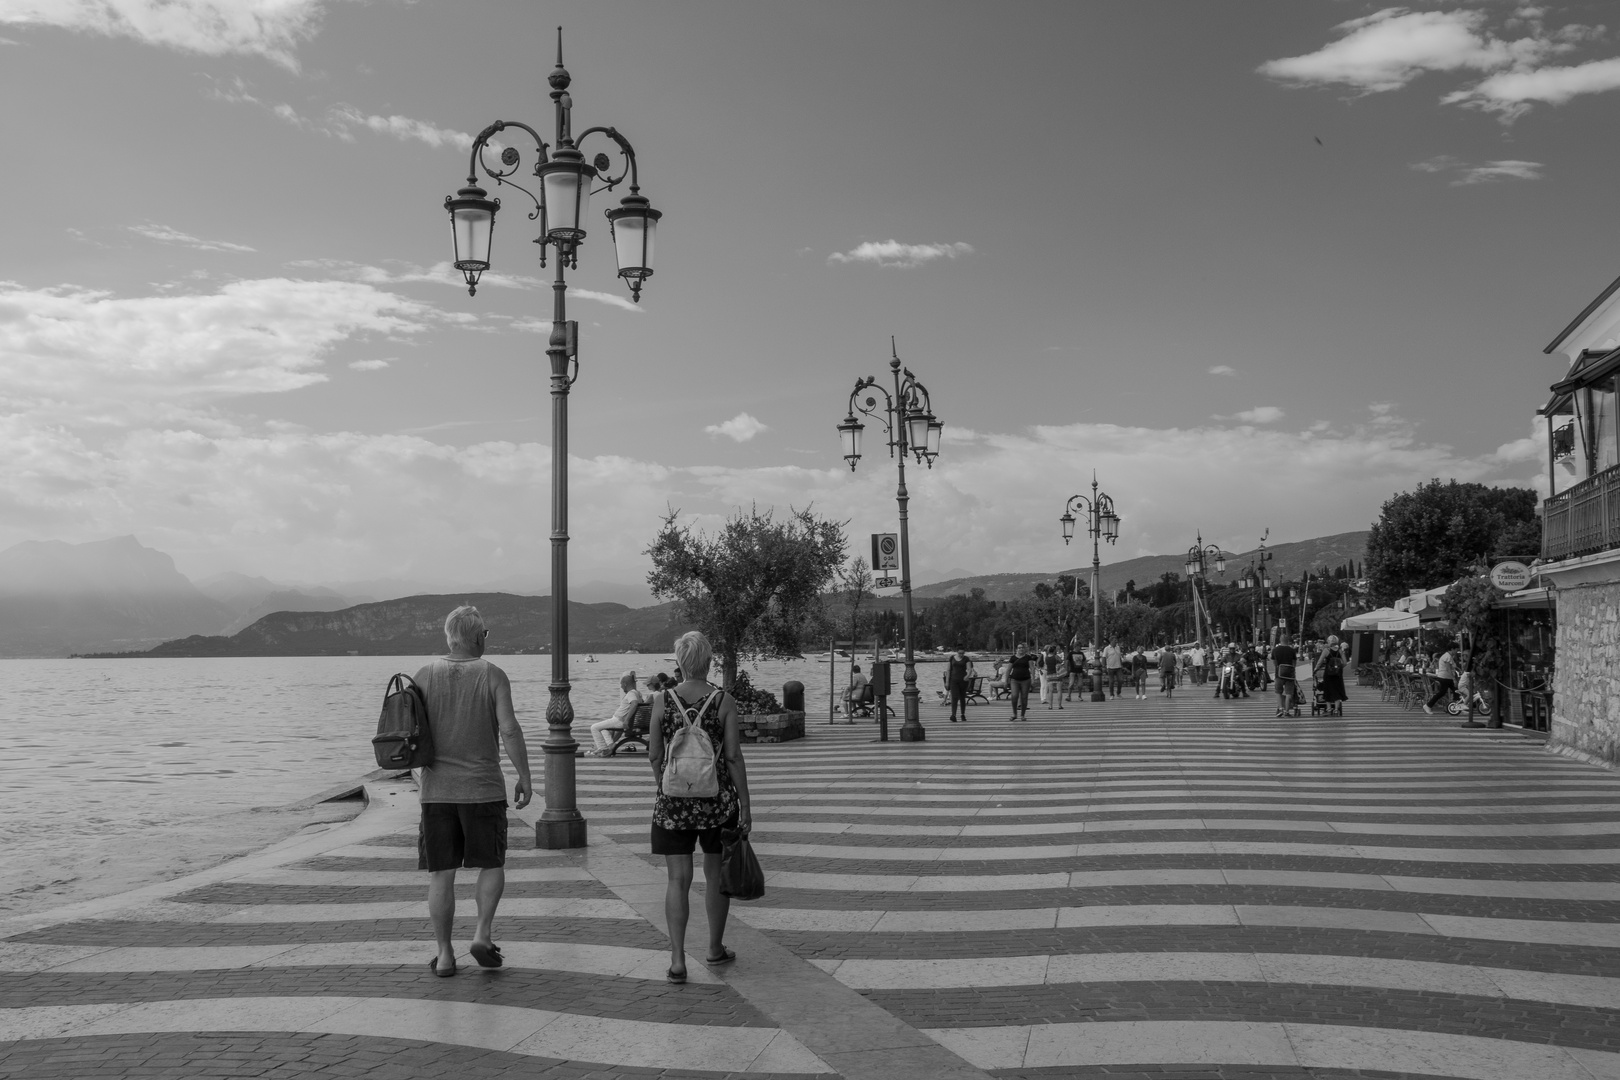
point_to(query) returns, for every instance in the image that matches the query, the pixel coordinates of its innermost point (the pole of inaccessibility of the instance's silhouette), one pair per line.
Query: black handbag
(740, 875)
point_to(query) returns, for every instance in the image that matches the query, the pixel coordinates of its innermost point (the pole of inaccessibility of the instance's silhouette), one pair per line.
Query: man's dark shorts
(462, 834)
(683, 841)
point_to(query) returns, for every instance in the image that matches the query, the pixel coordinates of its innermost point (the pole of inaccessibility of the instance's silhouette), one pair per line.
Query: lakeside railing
(1583, 520)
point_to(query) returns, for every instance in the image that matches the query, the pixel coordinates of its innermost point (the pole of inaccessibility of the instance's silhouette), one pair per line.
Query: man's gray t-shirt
(466, 733)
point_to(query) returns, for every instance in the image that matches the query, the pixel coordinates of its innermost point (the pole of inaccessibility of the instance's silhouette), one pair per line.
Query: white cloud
(895, 253)
(739, 428)
(165, 235)
(610, 299)
(268, 28)
(1223, 369)
(1510, 93)
(1463, 173)
(1260, 414)
(67, 350)
(1388, 49)
(8, 41)
(400, 127)
(368, 365)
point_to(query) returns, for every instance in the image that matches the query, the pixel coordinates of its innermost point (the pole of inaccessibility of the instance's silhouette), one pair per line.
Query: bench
(634, 732)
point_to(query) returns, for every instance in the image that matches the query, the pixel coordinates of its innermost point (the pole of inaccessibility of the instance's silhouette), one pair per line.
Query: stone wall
(1586, 679)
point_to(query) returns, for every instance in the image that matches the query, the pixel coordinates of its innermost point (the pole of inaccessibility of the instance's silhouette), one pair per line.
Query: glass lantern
(472, 227)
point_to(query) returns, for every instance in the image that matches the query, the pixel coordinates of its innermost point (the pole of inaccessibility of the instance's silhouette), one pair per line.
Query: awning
(1369, 620)
(1400, 621)
(1426, 601)
(1526, 598)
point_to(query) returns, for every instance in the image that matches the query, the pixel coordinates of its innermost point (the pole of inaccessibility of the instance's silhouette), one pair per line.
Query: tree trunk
(728, 669)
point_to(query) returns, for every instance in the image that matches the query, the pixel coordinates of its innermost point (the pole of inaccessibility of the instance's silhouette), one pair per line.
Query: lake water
(129, 754)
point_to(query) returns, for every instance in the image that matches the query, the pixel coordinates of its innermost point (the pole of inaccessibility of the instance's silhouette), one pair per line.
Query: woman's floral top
(694, 814)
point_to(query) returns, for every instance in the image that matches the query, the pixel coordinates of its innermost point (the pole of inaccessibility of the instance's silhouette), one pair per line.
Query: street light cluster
(562, 207)
(907, 419)
(1102, 523)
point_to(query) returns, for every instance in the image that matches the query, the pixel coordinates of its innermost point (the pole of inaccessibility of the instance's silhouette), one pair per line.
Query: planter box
(772, 727)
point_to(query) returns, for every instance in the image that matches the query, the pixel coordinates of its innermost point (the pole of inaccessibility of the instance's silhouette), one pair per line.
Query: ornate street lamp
(1102, 524)
(908, 420)
(1199, 557)
(563, 209)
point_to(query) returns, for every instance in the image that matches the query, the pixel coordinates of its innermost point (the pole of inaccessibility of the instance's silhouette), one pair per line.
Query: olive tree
(754, 589)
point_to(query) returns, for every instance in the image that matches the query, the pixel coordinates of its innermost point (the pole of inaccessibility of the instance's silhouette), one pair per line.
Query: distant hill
(1288, 561)
(414, 626)
(57, 598)
(252, 598)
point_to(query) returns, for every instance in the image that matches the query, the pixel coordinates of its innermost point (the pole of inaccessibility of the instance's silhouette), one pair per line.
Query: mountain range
(118, 595)
(1287, 561)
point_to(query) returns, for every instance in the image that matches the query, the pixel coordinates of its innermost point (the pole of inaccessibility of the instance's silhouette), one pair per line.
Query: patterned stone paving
(1158, 890)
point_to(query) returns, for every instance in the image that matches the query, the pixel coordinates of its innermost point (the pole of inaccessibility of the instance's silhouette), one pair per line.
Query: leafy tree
(754, 589)
(1435, 534)
(1131, 623)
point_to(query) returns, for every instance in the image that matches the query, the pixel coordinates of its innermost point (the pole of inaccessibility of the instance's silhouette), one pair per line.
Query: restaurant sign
(1510, 576)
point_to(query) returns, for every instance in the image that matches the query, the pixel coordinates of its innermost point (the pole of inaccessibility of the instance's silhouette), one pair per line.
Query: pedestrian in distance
(1329, 671)
(463, 793)
(1284, 656)
(1198, 668)
(1050, 687)
(1445, 680)
(1167, 672)
(1114, 661)
(680, 825)
(1139, 666)
(958, 677)
(1018, 673)
(1075, 661)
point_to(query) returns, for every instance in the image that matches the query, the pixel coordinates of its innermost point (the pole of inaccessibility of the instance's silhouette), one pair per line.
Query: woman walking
(1330, 676)
(680, 825)
(1018, 678)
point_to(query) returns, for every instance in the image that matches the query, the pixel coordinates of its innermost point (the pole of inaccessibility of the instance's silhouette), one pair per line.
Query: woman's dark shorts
(683, 841)
(462, 834)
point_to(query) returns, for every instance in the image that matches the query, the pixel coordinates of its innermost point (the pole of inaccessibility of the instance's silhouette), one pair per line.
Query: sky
(1257, 264)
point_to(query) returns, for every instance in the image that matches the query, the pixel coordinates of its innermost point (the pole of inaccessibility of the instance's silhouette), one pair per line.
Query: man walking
(469, 704)
(1198, 664)
(1114, 661)
(1445, 681)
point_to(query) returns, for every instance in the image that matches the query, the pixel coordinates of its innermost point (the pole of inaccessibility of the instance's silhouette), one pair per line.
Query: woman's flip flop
(726, 957)
(488, 956)
(675, 977)
(444, 973)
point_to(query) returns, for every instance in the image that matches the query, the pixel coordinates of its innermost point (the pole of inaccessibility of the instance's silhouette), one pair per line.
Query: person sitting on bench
(603, 731)
(854, 696)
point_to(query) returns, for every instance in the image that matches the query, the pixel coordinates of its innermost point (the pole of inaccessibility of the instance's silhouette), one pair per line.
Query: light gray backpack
(691, 767)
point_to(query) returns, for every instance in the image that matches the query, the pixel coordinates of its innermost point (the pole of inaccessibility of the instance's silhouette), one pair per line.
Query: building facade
(1581, 532)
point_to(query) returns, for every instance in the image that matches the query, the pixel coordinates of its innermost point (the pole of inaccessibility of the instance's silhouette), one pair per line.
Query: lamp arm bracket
(628, 169)
(510, 159)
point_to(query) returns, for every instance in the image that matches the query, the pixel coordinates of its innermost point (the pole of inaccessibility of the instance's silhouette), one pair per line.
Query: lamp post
(1199, 556)
(564, 202)
(1101, 523)
(907, 418)
(1258, 580)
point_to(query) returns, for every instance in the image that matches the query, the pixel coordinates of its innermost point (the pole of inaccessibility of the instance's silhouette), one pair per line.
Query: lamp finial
(559, 77)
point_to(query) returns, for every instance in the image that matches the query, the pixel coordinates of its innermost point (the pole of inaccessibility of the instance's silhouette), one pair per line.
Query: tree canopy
(755, 588)
(1434, 535)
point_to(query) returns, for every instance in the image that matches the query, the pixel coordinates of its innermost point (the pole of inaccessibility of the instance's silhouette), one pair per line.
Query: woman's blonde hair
(693, 654)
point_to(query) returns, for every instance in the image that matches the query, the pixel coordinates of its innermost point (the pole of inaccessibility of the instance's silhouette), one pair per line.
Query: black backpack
(404, 740)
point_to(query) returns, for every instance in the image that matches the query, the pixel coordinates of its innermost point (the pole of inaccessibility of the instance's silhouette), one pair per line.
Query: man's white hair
(627, 681)
(463, 626)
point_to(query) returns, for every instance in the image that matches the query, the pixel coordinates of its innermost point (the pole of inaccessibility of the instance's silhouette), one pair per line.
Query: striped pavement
(1130, 889)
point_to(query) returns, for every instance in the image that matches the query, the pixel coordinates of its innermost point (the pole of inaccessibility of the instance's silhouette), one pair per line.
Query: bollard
(793, 695)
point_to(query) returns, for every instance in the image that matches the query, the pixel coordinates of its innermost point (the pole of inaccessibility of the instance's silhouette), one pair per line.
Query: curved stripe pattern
(1185, 884)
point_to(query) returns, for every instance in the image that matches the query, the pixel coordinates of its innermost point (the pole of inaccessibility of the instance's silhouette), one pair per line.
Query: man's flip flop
(727, 957)
(488, 956)
(433, 966)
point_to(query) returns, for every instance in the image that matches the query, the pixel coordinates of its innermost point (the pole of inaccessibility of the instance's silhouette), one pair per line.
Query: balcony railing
(1583, 520)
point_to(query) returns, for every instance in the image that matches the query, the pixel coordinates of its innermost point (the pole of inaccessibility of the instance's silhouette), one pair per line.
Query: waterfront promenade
(1127, 889)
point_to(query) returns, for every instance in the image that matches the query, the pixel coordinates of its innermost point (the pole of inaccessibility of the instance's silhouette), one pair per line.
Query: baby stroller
(1319, 701)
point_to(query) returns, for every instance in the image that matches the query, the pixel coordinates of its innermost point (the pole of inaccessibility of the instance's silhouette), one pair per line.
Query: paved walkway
(1134, 889)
